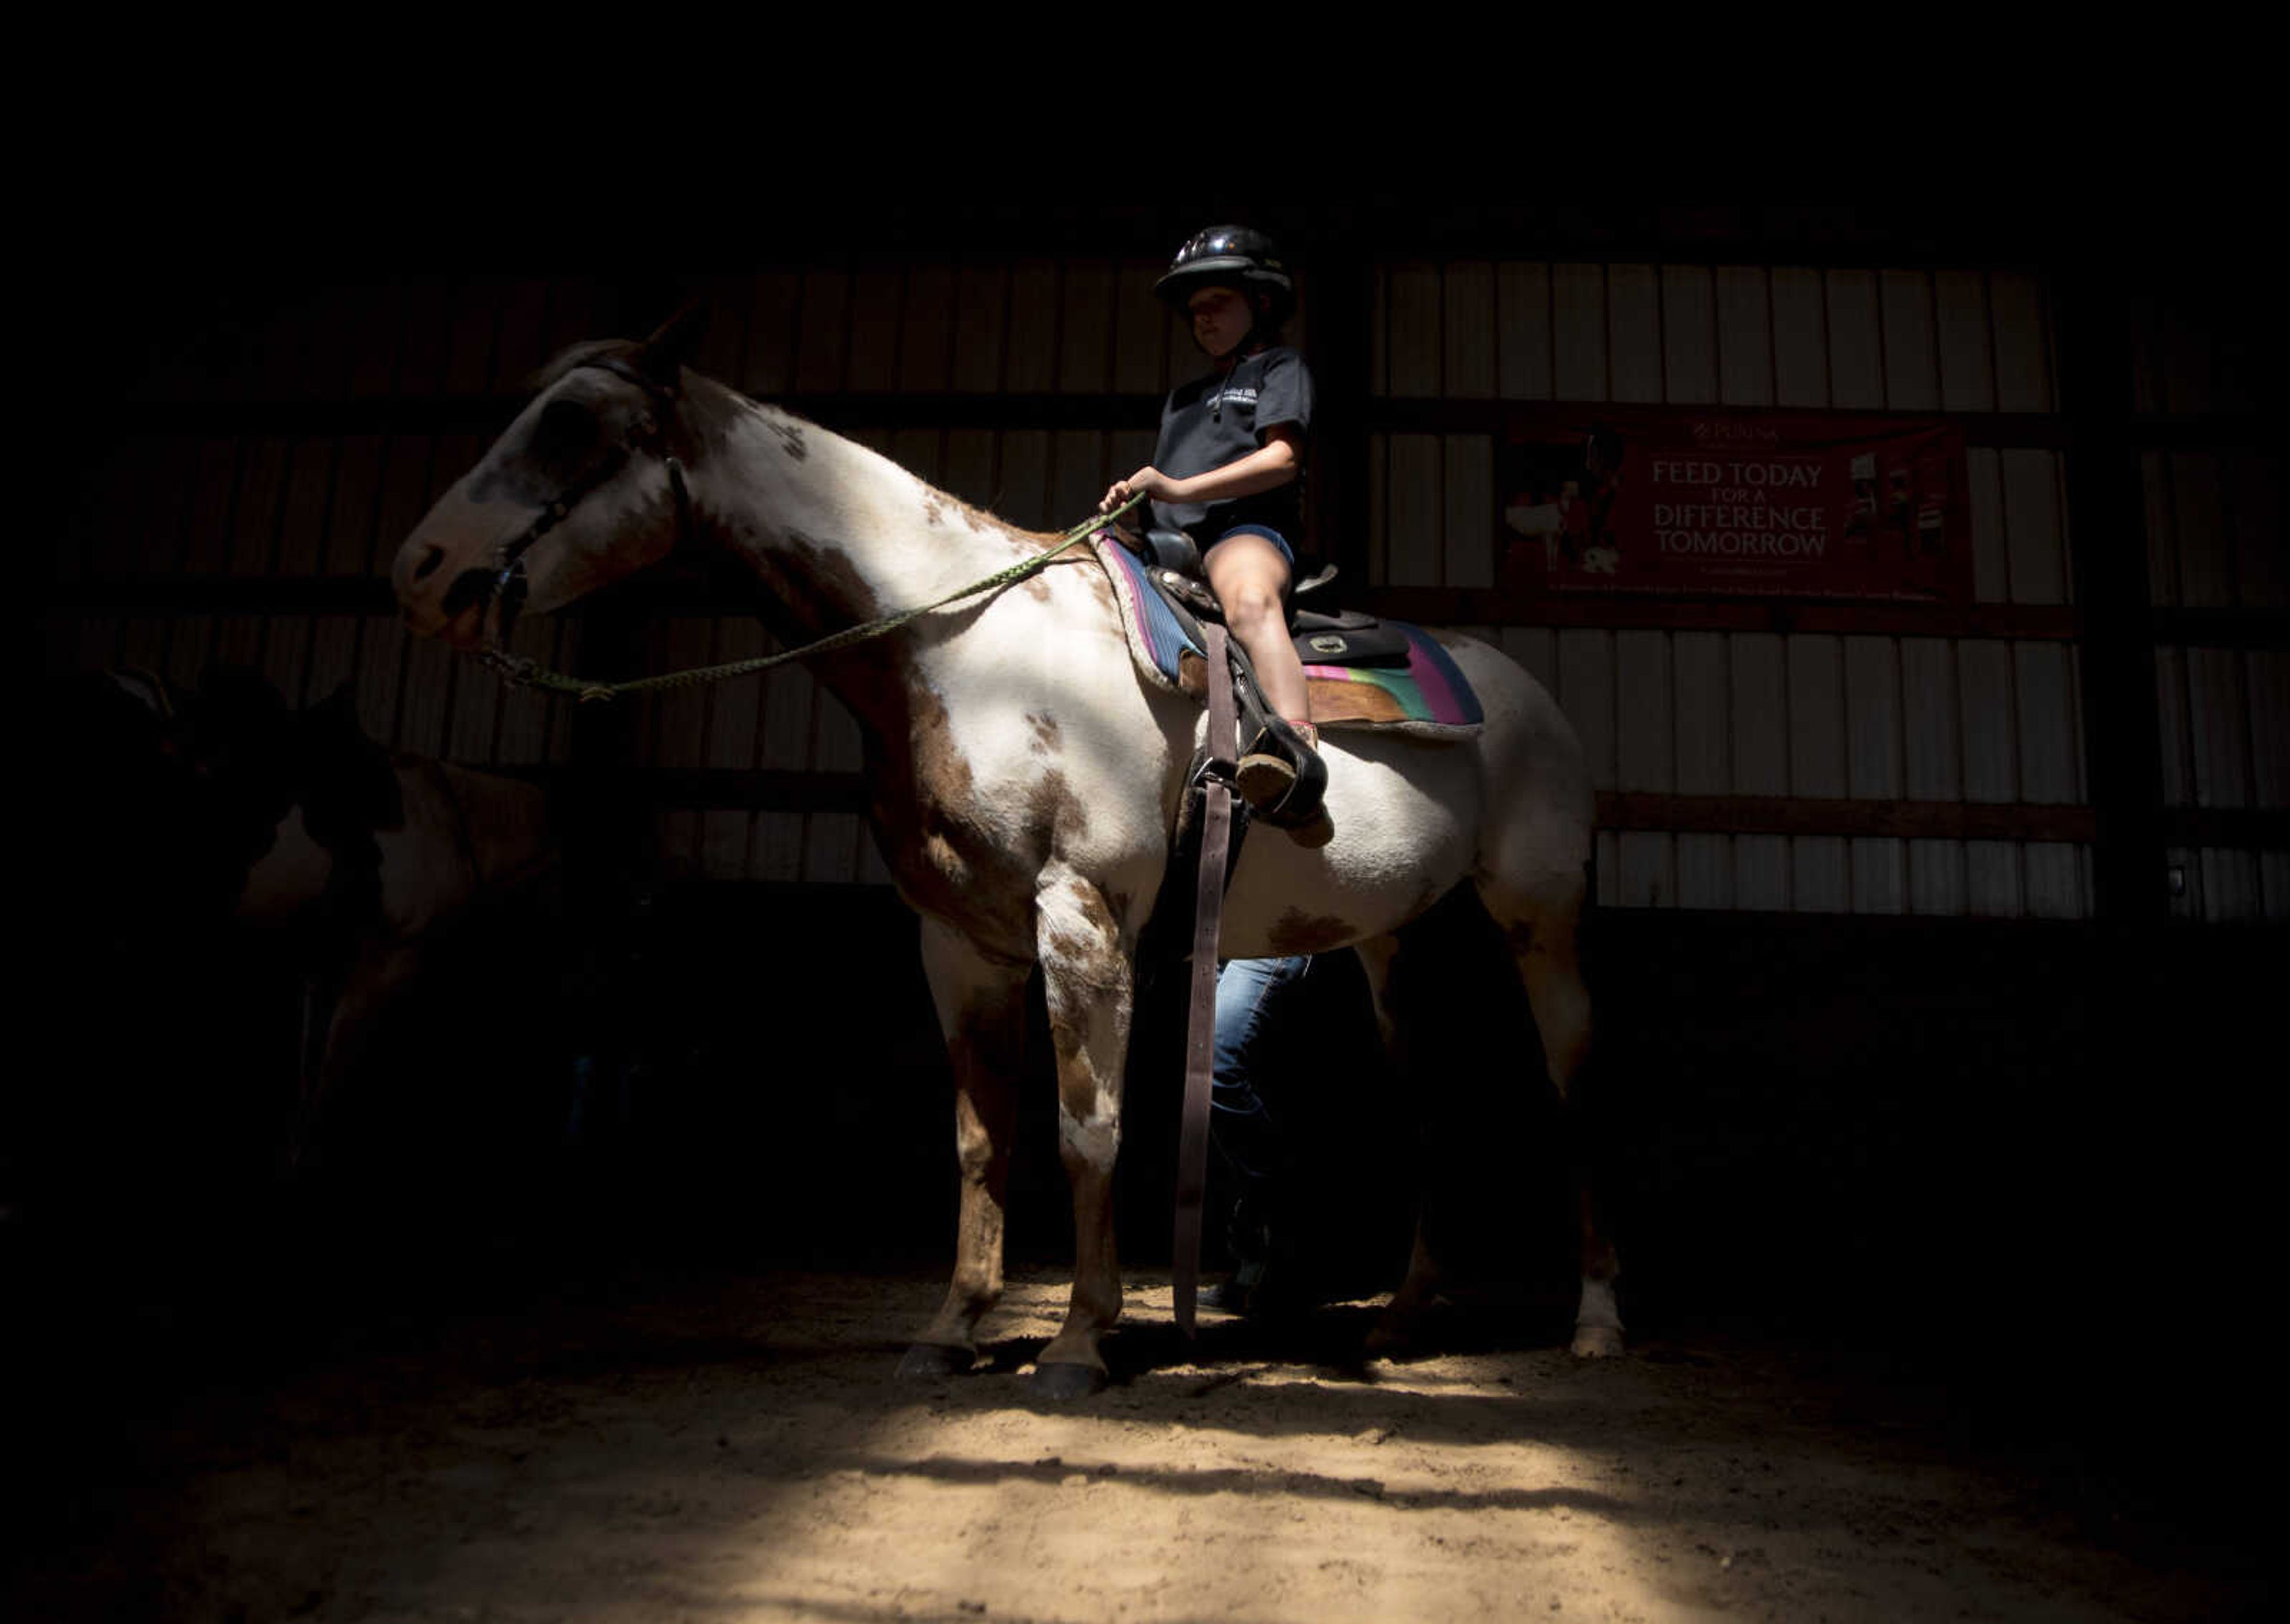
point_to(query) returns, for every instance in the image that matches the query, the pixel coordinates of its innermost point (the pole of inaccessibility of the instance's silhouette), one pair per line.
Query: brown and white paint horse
(1023, 780)
(361, 859)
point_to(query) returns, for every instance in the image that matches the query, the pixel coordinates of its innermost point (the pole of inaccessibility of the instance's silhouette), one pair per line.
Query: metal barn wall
(2216, 570)
(1801, 717)
(1822, 758)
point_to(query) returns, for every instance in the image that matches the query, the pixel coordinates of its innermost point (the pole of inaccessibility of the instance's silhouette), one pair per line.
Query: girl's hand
(1147, 482)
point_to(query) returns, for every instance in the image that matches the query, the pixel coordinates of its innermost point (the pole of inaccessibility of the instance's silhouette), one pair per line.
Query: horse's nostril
(430, 560)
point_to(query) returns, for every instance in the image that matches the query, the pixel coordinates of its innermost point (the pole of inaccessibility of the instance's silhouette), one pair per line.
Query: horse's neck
(840, 534)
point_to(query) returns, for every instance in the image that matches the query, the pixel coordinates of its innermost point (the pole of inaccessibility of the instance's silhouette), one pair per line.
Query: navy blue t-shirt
(1222, 418)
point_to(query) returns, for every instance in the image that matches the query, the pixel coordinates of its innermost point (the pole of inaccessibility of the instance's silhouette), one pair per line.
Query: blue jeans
(1250, 999)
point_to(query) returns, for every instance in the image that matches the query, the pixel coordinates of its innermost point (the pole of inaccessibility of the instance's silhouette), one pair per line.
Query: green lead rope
(525, 673)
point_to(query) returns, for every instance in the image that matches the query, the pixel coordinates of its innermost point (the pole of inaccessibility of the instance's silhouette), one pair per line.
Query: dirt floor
(726, 1447)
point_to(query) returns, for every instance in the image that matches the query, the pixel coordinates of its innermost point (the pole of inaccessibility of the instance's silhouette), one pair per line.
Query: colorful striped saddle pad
(1428, 694)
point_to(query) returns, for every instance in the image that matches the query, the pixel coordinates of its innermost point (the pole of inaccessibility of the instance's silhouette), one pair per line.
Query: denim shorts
(1279, 541)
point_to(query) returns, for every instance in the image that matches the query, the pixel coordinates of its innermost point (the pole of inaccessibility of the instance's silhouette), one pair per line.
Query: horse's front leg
(1087, 969)
(981, 1012)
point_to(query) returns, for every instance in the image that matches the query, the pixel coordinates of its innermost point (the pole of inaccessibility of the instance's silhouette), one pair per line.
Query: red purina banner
(1697, 502)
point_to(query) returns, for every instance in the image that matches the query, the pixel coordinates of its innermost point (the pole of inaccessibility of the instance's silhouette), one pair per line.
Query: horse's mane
(574, 356)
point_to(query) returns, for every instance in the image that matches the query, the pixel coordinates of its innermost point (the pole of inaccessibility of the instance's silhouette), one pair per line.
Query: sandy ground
(736, 1449)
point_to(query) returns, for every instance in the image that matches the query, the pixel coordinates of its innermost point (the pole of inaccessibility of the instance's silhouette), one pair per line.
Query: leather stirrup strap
(1215, 785)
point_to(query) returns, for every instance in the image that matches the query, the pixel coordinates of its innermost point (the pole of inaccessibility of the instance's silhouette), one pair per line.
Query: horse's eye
(563, 439)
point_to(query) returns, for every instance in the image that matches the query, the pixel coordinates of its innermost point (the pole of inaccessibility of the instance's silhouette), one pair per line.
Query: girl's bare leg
(1248, 575)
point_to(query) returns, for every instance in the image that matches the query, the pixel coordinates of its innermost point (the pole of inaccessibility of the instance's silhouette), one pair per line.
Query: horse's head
(583, 489)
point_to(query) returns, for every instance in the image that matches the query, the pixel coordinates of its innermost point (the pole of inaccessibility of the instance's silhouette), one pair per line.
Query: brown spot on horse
(1297, 932)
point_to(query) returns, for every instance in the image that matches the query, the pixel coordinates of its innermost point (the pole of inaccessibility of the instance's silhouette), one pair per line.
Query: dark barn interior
(1943, 1081)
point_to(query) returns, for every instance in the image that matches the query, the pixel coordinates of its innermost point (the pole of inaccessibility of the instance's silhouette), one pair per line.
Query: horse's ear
(672, 348)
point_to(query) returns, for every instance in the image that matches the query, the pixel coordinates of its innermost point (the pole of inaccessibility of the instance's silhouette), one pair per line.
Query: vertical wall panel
(872, 364)
(1536, 649)
(1800, 338)
(473, 335)
(968, 466)
(1911, 343)
(2024, 343)
(1086, 335)
(2230, 885)
(2198, 523)
(1633, 332)
(1968, 370)
(1689, 335)
(1745, 337)
(1467, 300)
(1578, 331)
(1760, 710)
(1856, 347)
(1819, 877)
(1992, 878)
(522, 736)
(254, 519)
(1875, 752)
(286, 656)
(2162, 545)
(1378, 509)
(2037, 558)
(2270, 725)
(1142, 331)
(926, 331)
(1703, 688)
(424, 697)
(823, 334)
(767, 350)
(2253, 504)
(1644, 751)
(1029, 362)
(2274, 881)
(382, 642)
(1025, 479)
(1414, 545)
(1467, 501)
(1586, 693)
(1078, 476)
(1645, 757)
(1703, 703)
(1523, 331)
(472, 725)
(1991, 749)
(1991, 569)
(1411, 331)
(2220, 728)
(2049, 738)
(2176, 749)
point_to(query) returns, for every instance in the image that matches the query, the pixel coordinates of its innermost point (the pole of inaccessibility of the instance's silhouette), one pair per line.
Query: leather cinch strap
(1215, 788)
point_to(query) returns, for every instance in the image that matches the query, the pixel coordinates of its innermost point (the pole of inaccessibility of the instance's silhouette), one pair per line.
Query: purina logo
(1718, 430)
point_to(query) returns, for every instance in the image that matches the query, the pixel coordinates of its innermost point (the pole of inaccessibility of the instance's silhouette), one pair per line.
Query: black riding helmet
(1231, 257)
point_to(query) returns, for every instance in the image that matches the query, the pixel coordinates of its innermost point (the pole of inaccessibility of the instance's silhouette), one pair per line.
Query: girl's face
(1222, 318)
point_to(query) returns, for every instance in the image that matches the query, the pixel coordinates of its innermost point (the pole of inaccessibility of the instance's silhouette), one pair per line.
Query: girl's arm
(1272, 464)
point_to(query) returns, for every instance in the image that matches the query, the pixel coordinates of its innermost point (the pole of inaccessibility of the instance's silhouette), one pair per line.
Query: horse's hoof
(1064, 1383)
(1392, 1337)
(1598, 1341)
(928, 1361)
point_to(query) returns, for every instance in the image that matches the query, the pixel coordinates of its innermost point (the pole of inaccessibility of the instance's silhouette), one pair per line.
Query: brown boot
(1282, 780)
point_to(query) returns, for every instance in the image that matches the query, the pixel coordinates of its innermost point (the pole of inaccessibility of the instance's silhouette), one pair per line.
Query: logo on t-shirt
(1236, 397)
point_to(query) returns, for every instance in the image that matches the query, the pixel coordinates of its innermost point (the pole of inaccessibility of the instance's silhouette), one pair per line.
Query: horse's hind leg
(1540, 931)
(981, 1012)
(1395, 1329)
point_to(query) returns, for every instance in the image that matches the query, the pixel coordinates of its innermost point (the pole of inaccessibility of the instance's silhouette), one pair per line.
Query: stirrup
(1282, 780)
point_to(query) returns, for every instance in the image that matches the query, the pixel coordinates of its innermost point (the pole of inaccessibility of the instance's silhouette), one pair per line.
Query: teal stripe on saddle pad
(1431, 688)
